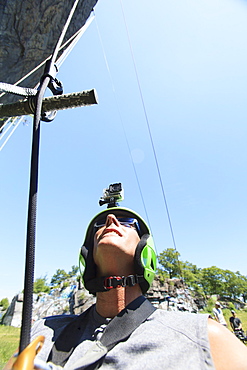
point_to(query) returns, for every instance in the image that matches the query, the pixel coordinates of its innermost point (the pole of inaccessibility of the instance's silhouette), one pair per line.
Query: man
(235, 322)
(218, 314)
(118, 265)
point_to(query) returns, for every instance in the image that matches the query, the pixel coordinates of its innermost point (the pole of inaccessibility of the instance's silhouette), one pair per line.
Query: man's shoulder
(53, 321)
(59, 318)
(178, 319)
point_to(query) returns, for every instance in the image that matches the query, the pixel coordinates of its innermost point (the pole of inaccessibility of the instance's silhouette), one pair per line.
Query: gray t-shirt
(166, 340)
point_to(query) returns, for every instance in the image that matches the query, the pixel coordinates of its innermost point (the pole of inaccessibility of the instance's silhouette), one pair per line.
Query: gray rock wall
(29, 30)
(169, 295)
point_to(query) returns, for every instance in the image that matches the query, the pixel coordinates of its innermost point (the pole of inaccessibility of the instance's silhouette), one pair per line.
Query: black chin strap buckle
(112, 282)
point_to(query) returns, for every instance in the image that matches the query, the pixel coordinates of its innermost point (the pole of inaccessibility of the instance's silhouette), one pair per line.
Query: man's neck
(109, 304)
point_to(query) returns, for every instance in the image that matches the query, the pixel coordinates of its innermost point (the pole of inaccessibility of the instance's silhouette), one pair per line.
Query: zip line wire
(120, 116)
(148, 126)
(12, 124)
(150, 136)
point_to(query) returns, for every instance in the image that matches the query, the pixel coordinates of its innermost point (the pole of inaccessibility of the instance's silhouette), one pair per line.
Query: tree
(232, 286)
(4, 303)
(212, 280)
(59, 277)
(169, 260)
(40, 285)
(192, 276)
(74, 271)
(242, 283)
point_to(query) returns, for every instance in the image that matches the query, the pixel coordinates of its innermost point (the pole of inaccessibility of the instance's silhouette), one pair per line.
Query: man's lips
(110, 230)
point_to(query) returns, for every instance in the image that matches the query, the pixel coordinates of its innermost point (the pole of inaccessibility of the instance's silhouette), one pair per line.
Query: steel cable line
(14, 123)
(150, 133)
(121, 120)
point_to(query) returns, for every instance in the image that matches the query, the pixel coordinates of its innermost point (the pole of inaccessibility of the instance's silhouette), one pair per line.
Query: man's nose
(111, 219)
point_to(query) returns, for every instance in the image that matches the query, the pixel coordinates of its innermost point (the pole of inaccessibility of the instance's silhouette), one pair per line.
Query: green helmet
(144, 259)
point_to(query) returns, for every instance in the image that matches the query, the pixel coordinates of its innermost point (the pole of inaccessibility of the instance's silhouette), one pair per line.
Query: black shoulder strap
(68, 339)
(118, 330)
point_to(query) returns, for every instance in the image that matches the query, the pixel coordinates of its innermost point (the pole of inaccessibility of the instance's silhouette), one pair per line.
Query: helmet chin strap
(106, 283)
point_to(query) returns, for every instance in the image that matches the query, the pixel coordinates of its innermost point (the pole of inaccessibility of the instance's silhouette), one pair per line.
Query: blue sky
(191, 58)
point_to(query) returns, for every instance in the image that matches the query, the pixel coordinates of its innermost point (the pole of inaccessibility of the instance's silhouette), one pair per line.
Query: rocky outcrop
(173, 295)
(168, 295)
(29, 31)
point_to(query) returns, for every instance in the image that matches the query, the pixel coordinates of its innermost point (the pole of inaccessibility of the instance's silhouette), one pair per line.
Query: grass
(9, 342)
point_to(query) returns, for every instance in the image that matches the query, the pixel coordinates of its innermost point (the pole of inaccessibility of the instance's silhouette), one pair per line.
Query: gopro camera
(112, 195)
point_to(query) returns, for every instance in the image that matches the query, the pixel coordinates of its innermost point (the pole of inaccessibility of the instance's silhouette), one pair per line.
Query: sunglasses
(125, 221)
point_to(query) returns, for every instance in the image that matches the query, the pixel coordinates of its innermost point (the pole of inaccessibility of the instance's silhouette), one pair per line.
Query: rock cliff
(170, 295)
(29, 30)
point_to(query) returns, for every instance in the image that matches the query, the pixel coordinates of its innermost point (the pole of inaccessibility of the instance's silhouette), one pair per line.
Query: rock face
(29, 30)
(171, 295)
(74, 299)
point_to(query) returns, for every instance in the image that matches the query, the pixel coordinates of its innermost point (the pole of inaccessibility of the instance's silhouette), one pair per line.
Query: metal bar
(58, 102)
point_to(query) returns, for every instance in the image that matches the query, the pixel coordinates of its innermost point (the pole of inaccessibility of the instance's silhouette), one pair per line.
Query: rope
(121, 120)
(17, 90)
(61, 59)
(33, 191)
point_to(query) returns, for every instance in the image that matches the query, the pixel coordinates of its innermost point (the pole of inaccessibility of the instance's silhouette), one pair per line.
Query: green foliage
(231, 306)
(82, 296)
(4, 303)
(169, 260)
(207, 281)
(40, 286)
(210, 305)
(59, 277)
(192, 276)
(212, 280)
(242, 282)
(74, 271)
(162, 274)
(66, 309)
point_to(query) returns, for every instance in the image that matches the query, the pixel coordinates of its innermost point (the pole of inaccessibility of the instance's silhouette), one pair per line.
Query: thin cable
(73, 41)
(11, 133)
(9, 121)
(149, 130)
(121, 120)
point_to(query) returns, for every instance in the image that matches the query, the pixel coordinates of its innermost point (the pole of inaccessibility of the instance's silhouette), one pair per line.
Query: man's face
(114, 247)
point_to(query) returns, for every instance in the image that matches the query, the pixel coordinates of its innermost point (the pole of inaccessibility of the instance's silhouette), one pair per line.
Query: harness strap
(118, 330)
(68, 339)
(105, 283)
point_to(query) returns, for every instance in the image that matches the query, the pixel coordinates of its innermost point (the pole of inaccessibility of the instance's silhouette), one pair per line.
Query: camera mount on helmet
(144, 258)
(112, 195)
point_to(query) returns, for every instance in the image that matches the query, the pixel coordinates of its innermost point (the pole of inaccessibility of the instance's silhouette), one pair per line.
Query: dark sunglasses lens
(100, 223)
(123, 220)
(126, 220)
